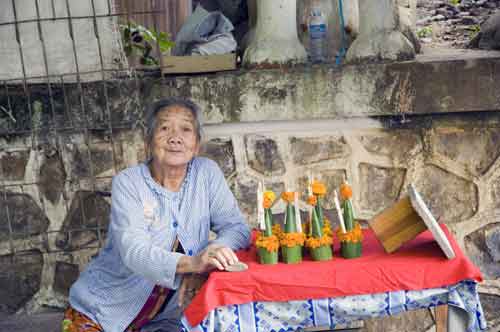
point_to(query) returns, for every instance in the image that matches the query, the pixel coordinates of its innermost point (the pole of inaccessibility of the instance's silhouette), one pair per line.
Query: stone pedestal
(275, 40)
(379, 37)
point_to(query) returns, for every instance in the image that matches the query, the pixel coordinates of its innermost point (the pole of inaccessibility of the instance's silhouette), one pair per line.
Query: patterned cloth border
(339, 311)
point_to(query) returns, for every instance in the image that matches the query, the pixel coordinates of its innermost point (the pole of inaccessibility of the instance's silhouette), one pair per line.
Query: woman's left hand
(191, 284)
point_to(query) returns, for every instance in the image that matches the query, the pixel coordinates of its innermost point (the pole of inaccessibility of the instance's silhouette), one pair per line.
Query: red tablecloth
(419, 264)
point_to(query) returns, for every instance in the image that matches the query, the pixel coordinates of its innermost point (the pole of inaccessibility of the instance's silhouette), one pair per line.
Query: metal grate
(57, 56)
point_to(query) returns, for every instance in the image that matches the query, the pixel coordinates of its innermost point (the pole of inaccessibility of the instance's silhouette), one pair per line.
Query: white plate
(423, 211)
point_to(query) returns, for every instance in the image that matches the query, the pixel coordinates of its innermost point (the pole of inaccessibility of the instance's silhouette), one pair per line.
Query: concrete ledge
(46, 322)
(435, 83)
(432, 84)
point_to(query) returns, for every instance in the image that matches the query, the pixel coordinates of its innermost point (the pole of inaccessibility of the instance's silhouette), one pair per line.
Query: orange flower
(312, 200)
(326, 227)
(292, 239)
(277, 230)
(318, 188)
(288, 196)
(345, 191)
(269, 198)
(270, 243)
(314, 242)
(355, 235)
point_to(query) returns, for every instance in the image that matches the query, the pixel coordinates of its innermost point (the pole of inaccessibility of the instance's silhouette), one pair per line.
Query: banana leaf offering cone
(351, 240)
(319, 244)
(267, 243)
(319, 191)
(292, 239)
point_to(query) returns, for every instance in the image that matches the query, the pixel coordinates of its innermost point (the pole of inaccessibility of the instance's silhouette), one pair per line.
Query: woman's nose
(174, 139)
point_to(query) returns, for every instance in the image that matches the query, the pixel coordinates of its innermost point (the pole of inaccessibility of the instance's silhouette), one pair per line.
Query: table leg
(457, 319)
(442, 318)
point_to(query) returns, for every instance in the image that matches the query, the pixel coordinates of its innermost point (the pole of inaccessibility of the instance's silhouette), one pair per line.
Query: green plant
(424, 32)
(139, 40)
(475, 29)
(455, 2)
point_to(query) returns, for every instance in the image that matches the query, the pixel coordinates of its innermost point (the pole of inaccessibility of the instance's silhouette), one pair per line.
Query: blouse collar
(159, 189)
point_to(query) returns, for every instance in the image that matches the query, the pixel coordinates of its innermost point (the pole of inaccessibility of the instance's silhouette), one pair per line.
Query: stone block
(245, 191)
(52, 176)
(20, 278)
(482, 248)
(97, 159)
(264, 156)
(448, 196)
(400, 145)
(13, 165)
(21, 216)
(410, 321)
(379, 186)
(221, 151)
(332, 180)
(491, 308)
(310, 150)
(65, 275)
(86, 222)
(475, 149)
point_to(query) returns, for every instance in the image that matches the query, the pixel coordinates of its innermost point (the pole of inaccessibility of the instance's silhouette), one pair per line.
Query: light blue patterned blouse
(145, 220)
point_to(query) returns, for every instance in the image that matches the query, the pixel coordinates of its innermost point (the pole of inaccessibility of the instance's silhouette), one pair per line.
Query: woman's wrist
(188, 264)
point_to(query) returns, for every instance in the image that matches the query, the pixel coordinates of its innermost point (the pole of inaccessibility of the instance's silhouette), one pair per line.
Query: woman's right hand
(215, 256)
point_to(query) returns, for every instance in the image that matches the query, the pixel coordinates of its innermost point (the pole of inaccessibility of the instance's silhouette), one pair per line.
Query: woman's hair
(161, 104)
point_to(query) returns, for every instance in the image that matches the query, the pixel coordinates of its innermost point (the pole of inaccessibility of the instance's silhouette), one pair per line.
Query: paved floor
(48, 322)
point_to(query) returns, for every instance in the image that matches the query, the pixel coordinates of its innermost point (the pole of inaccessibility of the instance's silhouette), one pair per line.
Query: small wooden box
(198, 63)
(406, 219)
(397, 225)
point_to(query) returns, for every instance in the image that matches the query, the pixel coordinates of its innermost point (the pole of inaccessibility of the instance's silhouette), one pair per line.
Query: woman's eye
(187, 129)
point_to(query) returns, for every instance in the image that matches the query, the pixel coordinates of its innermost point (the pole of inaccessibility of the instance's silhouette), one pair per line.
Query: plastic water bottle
(317, 35)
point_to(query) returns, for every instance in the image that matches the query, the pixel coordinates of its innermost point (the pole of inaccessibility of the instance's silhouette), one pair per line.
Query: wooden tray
(404, 220)
(198, 63)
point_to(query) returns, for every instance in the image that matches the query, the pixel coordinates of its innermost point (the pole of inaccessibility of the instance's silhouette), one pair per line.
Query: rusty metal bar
(45, 63)
(9, 222)
(106, 97)
(155, 24)
(75, 17)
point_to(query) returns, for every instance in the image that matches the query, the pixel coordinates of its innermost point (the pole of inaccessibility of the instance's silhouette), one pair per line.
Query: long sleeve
(226, 218)
(133, 236)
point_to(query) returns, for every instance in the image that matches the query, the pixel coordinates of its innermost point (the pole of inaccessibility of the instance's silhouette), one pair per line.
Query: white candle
(309, 183)
(297, 212)
(260, 207)
(339, 211)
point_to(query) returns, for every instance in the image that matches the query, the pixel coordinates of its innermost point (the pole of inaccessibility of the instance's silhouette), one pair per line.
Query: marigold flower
(314, 242)
(312, 200)
(292, 239)
(326, 227)
(345, 191)
(277, 230)
(288, 196)
(269, 198)
(355, 235)
(270, 243)
(318, 188)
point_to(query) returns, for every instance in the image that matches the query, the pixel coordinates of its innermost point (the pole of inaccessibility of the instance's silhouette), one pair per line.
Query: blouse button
(190, 252)
(176, 224)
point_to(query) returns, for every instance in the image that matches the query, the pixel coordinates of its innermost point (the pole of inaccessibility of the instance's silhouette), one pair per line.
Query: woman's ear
(147, 149)
(197, 148)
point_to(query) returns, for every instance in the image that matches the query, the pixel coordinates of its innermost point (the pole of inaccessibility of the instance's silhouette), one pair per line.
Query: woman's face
(174, 141)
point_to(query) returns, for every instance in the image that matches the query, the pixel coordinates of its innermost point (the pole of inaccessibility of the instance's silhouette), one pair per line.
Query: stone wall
(381, 126)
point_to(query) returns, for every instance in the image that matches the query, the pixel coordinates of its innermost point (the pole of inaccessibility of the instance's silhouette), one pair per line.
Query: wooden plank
(442, 318)
(397, 225)
(198, 64)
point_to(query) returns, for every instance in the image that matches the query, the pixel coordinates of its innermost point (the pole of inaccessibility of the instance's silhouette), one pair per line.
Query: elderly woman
(158, 238)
